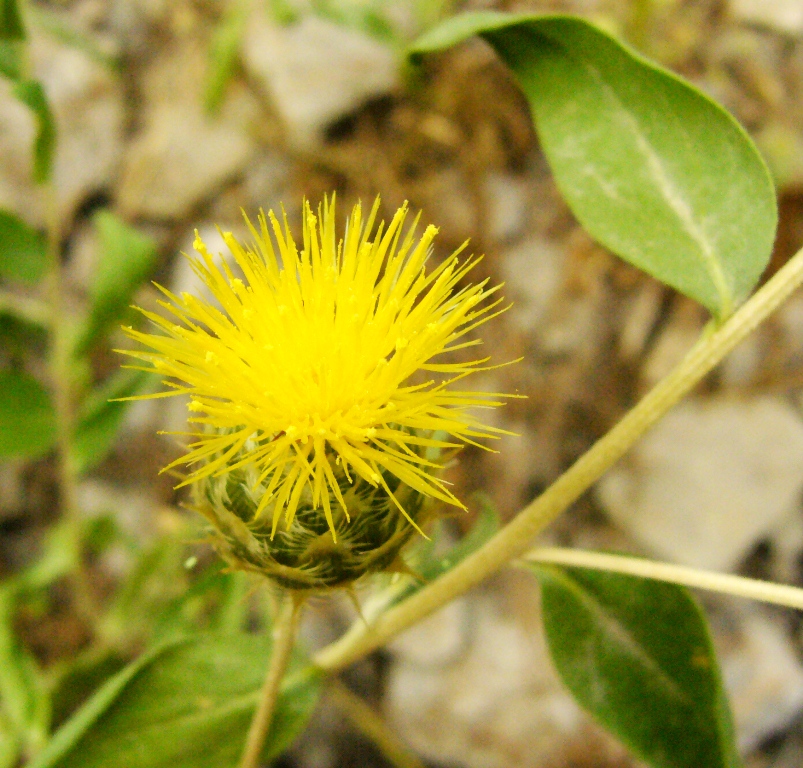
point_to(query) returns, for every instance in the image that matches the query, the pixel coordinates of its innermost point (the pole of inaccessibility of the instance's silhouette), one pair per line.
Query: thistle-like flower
(319, 386)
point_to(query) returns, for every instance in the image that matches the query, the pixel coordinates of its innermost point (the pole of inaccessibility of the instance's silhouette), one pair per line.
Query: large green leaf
(653, 169)
(32, 94)
(127, 257)
(23, 250)
(636, 653)
(27, 417)
(187, 704)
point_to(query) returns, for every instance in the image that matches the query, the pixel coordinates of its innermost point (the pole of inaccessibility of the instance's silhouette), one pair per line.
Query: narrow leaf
(126, 259)
(23, 695)
(11, 26)
(11, 55)
(223, 52)
(102, 414)
(653, 169)
(27, 418)
(23, 250)
(32, 94)
(187, 704)
(636, 653)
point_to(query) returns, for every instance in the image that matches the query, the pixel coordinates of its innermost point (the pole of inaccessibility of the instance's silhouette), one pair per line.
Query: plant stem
(61, 382)
(284, 632)
(515, 538)
(725, 583)
(373, 726)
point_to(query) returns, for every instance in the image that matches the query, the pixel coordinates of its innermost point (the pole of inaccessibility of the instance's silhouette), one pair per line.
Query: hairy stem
(725, 583)
(371, 724)
(516, 537)
(284, 632)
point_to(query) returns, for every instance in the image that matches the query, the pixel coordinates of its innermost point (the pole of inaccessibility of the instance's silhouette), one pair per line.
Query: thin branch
(516, 537)
(740, 586)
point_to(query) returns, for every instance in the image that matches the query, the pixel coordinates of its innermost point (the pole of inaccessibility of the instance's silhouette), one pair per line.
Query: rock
(709, 480)
(316, 71)
(762, 674)
(181, 155)
(87, 103)
(508, 206)
(781, 15)
(533, 271)
(497, 703)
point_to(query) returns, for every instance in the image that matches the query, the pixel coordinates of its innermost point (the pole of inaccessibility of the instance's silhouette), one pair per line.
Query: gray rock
(533, 272)
(315, 72)
(508, 205)
(709, 480)
(780, 15)
(87, 102)
(495, 704)
(761, 672)
(181, 155)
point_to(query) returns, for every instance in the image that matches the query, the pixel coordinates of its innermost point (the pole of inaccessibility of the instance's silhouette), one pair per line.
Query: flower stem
(61, 382)
(516, 537)
(725, 583)
(284, 632)
(370, 724)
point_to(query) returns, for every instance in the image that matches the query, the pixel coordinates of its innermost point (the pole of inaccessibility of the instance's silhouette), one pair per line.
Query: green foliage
(10, 59)
(653, 169)
(23, 250)
(32, 94)
(223, 53)
(24, 701)
(11, 26)
(636, 653)
(186, 704)
(127, 257)
(27, 418)
(102, 414)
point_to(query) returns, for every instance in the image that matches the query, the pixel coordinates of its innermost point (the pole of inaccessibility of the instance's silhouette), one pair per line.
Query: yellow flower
(325, 357)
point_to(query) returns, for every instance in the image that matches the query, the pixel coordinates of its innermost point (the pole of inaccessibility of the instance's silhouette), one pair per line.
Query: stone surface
(532, 270)
(762, 673)
(87, 102)
(780, 15)
(315, 72)
(496, 704)
(709, 480)
(181, 155)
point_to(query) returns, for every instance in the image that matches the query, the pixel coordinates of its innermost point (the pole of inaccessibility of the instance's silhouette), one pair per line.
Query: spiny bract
(322, 367)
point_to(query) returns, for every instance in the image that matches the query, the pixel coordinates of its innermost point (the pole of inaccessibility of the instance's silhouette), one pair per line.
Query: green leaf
(637, 654)
(126, 259)
(223, 53)
(23, 250)
(11, 26)
(24, 700)
(102, 414)
(32, 94)
(27, 418)
(653, 169)
(187, 704)
(11, 56)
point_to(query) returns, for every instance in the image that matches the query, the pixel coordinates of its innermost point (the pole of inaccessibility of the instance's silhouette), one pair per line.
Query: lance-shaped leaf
(187, 704)
(653, 169)
(636, 653)
(27, 416)
(32, 94)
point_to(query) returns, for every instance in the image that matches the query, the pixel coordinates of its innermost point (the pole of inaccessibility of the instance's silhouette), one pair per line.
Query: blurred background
(176, 115)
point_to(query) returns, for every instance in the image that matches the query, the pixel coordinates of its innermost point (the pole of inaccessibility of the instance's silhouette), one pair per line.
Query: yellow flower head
(326, 357)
